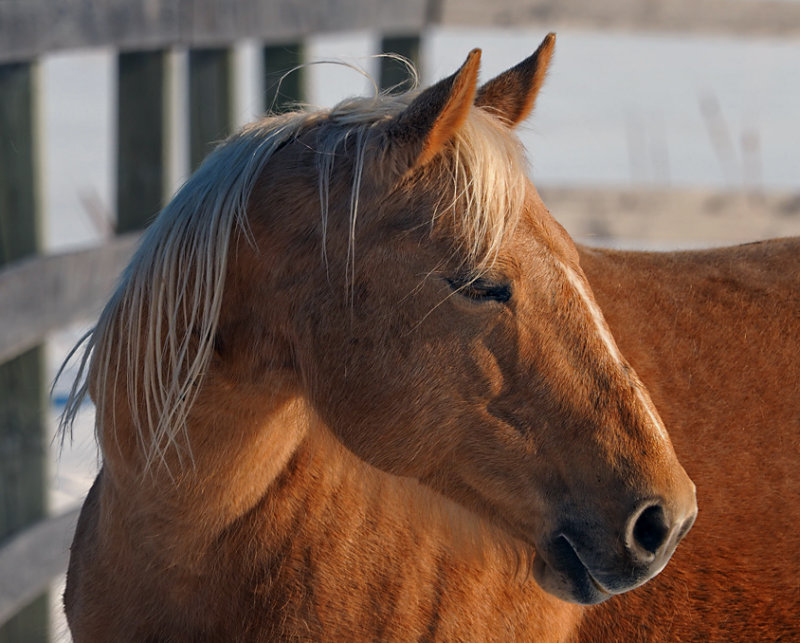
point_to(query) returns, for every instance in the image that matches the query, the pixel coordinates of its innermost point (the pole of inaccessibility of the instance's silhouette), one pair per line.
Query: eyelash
(481, 289)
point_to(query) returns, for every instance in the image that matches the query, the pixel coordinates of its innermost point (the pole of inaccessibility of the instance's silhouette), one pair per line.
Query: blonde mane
(157, 331)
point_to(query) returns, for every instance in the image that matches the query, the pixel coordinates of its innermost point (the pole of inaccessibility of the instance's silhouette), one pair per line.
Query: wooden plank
(393, 73)
(140, 138)
(210, 101)
(43, 294)
(20, 34)
(212, 23)
(140, 25)
(773, 18)
(23, 447)
(32, 559)
(286, 20)
(284, 77)
(29, 28)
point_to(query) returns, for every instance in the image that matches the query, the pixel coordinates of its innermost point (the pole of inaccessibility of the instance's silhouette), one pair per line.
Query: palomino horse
(355, 385)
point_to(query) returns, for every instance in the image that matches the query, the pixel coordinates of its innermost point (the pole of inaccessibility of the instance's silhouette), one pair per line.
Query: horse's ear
(512, 94)
(420, 132)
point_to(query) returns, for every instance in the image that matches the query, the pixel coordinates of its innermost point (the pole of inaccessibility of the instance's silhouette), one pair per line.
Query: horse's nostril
(650, 530)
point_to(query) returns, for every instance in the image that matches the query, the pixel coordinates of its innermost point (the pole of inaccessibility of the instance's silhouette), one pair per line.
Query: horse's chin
(567, 578)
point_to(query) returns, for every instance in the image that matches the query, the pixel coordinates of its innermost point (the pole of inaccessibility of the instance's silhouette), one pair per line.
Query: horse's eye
(481, 289)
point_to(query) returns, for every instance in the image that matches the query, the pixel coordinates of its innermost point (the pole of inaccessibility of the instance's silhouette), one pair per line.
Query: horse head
(438, 319)
(434, 318)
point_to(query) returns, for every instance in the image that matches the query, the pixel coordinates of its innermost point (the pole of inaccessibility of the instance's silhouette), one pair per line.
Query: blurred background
(663, 124)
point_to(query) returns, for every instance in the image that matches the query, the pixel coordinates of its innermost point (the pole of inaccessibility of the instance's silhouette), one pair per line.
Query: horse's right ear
(421, 131)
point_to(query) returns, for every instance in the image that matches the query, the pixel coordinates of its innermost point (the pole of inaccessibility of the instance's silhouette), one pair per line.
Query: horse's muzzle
(575, 564)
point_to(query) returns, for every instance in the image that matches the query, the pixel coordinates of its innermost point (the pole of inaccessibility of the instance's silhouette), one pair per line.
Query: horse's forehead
(537, 225)
(475, 190)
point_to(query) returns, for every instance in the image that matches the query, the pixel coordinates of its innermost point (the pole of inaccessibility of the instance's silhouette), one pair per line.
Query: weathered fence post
(283, 90)
(393, 72)
(210, 101)
(23, 445)
(140, 142)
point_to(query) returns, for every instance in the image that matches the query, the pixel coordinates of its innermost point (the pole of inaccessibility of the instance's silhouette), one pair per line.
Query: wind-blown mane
(157, 331)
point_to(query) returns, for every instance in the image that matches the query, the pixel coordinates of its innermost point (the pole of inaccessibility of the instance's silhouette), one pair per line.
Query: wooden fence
(41, 294)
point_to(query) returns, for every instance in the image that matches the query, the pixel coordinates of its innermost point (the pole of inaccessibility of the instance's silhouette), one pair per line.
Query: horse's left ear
(421, 131)
(512, 94)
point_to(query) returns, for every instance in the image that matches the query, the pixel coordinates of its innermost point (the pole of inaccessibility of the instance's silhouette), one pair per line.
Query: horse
(356, 383)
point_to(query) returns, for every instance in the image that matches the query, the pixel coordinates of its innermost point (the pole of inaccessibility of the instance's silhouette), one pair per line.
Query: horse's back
(715, 336)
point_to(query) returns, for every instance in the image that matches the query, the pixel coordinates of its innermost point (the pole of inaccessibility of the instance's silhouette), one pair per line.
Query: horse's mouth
(561, 572)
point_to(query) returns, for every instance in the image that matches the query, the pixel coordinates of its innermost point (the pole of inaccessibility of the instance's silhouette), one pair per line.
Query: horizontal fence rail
(774, 18)
(42, 294)
(29, 28)
(31, 559)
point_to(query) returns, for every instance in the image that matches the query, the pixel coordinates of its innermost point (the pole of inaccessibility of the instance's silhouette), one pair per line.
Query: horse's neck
(280, 500)
(353, 552)
(237, 449)
(272, 460)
